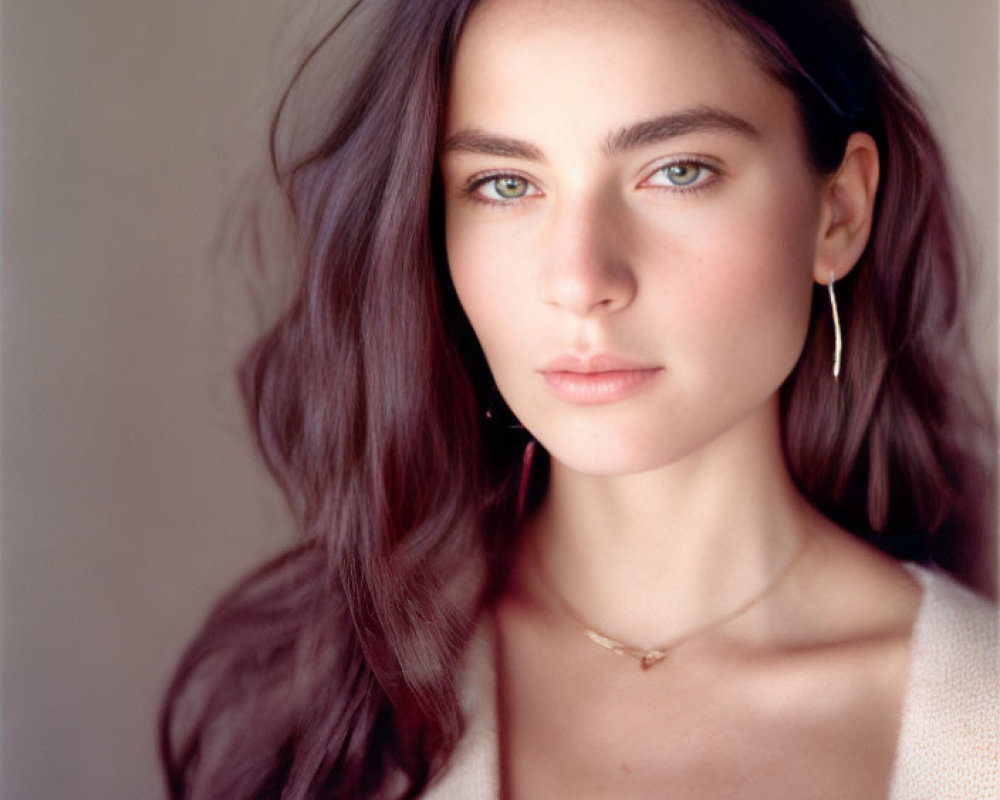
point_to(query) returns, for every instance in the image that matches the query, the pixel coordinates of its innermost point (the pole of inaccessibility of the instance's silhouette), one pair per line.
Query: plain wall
(131, 495)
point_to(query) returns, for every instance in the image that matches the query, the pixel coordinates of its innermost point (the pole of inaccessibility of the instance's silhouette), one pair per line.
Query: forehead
(533, 61)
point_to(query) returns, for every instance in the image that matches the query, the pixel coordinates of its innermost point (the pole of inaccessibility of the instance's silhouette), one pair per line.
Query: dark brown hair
(331, 672)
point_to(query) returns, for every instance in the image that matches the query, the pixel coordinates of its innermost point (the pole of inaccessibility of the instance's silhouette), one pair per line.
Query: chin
(611, 456)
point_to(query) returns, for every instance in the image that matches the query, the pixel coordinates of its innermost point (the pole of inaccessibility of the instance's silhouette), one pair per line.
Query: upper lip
(594, 362)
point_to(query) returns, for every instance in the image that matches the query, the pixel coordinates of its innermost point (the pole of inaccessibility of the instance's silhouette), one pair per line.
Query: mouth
(598, 378)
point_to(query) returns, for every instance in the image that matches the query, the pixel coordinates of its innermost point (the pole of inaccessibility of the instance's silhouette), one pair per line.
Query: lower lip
(591, 388)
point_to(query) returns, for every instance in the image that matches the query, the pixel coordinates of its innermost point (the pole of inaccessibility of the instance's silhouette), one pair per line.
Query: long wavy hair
(331, 672)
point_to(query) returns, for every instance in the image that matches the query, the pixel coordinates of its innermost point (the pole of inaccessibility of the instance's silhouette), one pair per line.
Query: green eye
(682, 174)
(510, 187)
(501, 189)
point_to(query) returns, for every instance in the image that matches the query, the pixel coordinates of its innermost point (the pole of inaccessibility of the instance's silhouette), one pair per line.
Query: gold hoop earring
(838, 341)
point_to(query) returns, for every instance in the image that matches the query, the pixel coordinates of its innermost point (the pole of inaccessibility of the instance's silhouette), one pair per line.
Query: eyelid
(470, 188)
(710, 165)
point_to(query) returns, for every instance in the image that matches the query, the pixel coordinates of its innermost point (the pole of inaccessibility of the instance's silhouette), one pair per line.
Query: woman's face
(632, 225)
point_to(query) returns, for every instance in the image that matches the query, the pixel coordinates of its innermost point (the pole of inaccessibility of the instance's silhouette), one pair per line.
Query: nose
(587, 270)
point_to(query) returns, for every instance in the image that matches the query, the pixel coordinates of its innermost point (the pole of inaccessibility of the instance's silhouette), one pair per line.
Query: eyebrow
(651, 131)
(660, 129)
(487, 144)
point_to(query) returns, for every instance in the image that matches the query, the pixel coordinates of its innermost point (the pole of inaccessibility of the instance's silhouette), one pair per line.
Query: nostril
(585, 269)
(585, 297)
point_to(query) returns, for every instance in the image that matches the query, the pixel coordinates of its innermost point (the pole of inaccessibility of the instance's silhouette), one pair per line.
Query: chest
(584, 723)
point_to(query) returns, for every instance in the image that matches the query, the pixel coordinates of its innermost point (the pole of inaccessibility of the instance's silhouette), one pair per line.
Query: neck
(649, 556)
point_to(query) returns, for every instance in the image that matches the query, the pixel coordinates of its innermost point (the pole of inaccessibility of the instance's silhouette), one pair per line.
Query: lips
(597, 378)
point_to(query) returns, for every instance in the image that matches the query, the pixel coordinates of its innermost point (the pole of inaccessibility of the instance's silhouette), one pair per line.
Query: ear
(848, 207)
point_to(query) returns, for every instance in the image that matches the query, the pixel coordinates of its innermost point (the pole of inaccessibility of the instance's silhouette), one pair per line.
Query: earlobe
(848, 209)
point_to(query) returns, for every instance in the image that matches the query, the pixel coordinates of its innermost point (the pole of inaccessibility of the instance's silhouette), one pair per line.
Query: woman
(614, 317)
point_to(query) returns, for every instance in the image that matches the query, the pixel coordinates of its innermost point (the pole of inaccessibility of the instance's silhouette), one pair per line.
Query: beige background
(130, 494)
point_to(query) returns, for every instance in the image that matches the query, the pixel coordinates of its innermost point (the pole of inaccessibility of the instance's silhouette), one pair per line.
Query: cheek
(487, 281)
(750, 284)
(785, 242)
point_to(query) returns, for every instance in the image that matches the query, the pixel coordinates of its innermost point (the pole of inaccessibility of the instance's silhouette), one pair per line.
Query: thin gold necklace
(650, 657)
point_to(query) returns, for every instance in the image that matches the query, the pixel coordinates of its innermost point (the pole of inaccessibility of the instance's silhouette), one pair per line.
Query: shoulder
(955, 634)
(472, 772)
(949, 742)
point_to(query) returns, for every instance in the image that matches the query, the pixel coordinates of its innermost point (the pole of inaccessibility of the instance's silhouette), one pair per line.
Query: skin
(622, 178)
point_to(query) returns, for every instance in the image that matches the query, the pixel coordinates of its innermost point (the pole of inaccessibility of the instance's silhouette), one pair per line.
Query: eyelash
(472, 188)
(708, 174)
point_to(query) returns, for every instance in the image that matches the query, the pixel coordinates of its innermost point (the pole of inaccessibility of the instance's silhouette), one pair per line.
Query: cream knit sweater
(949, 745)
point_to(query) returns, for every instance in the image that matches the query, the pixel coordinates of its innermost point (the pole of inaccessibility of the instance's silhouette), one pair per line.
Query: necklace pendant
(651, 658)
